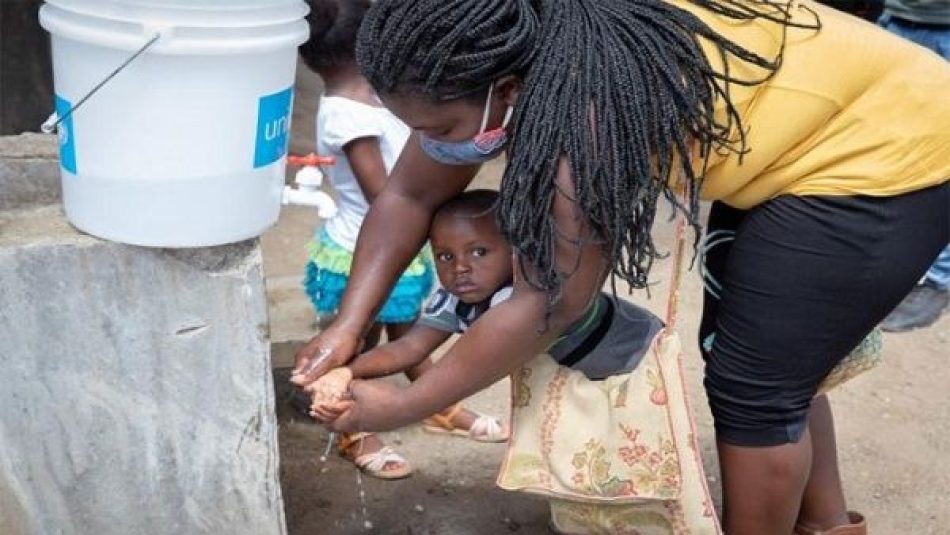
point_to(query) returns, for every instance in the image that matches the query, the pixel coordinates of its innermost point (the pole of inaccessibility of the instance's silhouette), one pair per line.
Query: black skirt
(793, 286)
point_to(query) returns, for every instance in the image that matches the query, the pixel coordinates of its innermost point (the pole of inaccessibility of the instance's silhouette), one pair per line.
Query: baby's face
(471, 257)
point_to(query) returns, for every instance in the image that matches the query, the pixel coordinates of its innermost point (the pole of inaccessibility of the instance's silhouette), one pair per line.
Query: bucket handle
(54, 120)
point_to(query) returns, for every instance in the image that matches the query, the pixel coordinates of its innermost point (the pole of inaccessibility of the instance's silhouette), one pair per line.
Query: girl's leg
(372, 337)
(353, 446)
(419, 369)
(395, 331)
(463, 419)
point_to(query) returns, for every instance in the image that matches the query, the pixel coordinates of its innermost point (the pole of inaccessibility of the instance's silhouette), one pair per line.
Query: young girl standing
(366, 139)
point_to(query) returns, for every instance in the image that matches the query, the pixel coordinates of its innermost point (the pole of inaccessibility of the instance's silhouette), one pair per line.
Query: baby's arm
(401, 355)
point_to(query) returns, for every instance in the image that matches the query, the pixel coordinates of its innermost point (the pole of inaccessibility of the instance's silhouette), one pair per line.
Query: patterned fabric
(658, 518)
(618, 455)
(867, 356)
(328, 272)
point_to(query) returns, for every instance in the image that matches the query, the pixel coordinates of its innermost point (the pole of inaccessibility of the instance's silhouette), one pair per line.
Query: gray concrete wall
(136, 394)
(29, 171)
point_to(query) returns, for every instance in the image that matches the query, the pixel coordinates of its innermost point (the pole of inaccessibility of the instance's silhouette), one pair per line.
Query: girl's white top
(339, 122)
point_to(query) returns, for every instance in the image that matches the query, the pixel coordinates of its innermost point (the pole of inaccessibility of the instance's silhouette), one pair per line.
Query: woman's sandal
(382, 464)
(484, 428)
(858, 526)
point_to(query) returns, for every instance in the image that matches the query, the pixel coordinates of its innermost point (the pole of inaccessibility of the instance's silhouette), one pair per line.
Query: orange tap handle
(311, 160)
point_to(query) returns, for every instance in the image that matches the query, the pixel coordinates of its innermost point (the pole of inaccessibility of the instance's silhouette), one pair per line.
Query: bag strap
(679, 251)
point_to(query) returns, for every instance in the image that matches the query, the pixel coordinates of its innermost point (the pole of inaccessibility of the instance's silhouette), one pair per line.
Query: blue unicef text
(273, 127)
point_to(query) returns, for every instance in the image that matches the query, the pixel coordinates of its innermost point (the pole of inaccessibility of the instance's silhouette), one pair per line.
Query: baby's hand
(329, 389)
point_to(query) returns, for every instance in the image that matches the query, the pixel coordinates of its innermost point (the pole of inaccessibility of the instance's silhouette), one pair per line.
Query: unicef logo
(63, 132)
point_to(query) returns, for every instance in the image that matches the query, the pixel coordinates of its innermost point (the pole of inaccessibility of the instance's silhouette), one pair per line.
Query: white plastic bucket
(186, 146)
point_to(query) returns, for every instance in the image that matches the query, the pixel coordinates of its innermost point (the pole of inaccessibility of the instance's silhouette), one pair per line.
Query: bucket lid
(191, 13)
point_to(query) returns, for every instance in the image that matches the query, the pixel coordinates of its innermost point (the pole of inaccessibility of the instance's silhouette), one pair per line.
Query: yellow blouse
(853, 110)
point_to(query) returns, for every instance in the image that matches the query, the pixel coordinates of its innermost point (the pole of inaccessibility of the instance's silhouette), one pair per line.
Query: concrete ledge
(136, 395)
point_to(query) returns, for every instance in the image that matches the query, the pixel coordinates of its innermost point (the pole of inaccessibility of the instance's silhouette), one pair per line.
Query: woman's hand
(372, 406)
(330, 349)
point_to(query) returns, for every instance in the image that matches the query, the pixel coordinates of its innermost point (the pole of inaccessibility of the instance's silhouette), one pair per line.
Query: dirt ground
(893, 428)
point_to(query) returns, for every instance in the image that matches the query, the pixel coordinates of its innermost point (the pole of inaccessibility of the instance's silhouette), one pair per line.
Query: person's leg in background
(939, 273)
(931, 297)
(926, 302)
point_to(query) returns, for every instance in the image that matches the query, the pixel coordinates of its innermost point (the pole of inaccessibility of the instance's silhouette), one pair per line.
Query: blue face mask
(485, 146)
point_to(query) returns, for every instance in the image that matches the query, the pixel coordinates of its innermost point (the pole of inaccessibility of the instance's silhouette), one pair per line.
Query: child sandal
(484, 428)
(382, 464)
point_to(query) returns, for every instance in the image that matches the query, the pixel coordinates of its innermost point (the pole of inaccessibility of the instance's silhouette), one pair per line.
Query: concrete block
(136, 393)
(29, 171)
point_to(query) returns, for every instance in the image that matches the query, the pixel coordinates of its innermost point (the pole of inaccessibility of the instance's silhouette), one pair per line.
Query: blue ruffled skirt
(328, 271)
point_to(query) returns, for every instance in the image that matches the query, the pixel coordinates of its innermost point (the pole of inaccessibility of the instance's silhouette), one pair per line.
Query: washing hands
(329, 394)
(345, 405)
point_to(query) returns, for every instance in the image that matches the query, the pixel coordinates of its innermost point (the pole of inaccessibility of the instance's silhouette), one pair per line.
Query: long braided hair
(621, 87)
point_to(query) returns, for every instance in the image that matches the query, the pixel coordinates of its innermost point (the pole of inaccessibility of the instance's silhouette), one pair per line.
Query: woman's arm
(393, 232)
(505, 337)
(401, 355)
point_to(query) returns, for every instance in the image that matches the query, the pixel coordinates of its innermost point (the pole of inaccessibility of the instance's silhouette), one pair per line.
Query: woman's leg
(762, 486)
(823, 504)
(353, 446)
(805, 280)
(743, 469)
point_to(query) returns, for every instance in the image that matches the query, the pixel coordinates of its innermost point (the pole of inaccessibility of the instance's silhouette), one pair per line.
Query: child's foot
(458, 421)
(369, 454)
